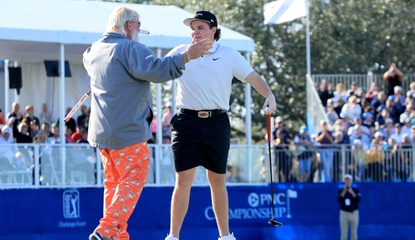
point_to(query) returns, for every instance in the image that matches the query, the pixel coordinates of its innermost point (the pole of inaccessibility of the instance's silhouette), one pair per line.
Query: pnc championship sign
(258, 206)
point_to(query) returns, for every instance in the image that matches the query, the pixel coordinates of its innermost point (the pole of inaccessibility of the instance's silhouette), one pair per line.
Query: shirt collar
(214, 47)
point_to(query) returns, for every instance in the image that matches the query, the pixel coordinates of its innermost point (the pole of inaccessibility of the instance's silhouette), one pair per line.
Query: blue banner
(308, 211)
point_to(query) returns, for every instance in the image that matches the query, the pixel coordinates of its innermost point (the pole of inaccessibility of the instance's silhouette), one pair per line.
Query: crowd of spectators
(371, 135)
(25, 127)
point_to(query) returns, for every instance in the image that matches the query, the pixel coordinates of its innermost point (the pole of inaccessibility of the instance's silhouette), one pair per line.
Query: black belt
(202, 113)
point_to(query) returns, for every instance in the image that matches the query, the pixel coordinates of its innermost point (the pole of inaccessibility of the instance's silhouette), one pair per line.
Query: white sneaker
(227, 237)
(171, 237)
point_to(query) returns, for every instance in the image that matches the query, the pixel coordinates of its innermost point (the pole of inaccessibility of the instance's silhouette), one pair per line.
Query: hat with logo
(367, 114)
(205, 16)
(357, 142)
(303, 129)
(378, 134)
(6, 129)
(348, 176)
(278, 119)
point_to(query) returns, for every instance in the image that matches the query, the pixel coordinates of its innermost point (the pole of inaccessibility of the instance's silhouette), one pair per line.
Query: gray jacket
(121, 101)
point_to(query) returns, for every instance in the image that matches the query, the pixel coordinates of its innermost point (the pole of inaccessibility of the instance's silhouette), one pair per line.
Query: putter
(272, 221)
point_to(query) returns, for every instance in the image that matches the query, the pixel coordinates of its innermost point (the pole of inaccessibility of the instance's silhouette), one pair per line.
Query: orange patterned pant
(126, 172)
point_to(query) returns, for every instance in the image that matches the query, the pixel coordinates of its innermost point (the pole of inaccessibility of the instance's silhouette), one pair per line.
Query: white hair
(119, 17)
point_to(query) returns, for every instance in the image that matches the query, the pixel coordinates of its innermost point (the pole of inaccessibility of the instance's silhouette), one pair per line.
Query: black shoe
(97, 236)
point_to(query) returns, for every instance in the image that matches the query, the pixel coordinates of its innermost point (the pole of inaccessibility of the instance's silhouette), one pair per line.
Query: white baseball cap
(348, 176)
(6, 129)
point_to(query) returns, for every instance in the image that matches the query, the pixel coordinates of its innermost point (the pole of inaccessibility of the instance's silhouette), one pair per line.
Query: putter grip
(77, 106)
(269, 127)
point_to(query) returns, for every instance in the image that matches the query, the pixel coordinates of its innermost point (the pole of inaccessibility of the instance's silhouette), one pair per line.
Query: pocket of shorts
(173, 120)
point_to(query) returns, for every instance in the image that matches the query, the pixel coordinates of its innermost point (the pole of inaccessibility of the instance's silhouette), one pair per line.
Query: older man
(121, 70)
(201, 128)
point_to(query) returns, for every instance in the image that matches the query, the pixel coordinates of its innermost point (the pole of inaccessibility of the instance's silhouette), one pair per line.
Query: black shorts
(200, 142)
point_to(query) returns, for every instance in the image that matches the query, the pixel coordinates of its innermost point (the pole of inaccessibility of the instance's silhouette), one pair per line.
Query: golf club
(272, 221)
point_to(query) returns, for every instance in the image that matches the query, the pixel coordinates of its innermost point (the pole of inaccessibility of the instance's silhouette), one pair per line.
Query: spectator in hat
(380, 140)
(165, 121)
(398, 100)
(304, 153)
(381, 118)
(398, 133)
(325, 137)
(407, 124)
(325, 92)
(349, 197)
(359, 134)
(358, 123)
(393, 77)
(389, 129)
(340, 93)
(56, 134)
(7, 150)
(352, 108)
(360, 94)
(353, 90)
(393, 111)
(331, 113)
(279, 125)
(367, 119)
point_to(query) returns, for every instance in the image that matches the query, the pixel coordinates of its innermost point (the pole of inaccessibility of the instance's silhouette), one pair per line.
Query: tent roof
(83, 22)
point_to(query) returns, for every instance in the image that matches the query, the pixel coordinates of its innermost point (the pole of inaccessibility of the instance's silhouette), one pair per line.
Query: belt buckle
(203, 114)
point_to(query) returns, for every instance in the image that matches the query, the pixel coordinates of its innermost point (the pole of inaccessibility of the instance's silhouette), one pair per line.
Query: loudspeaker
(15, 77)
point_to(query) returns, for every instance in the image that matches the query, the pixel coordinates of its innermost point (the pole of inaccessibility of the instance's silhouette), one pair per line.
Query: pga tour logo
(259, 206)
(71, 204)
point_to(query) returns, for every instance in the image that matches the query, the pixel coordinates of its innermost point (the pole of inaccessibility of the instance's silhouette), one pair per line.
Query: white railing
(43, 166)
(40, 165)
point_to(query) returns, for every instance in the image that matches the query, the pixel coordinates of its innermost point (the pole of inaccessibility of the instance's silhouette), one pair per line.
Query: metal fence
(363, 80)
(329, 163)
(79, 165)
(68, 166)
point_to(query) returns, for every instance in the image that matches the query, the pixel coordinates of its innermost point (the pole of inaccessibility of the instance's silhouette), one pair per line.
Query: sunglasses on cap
(139, 23)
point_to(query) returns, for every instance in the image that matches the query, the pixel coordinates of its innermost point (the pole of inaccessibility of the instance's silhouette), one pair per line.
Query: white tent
(34, 31)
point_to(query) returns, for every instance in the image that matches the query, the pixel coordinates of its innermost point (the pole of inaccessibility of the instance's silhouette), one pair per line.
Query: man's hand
(198, 49)
(270, 105)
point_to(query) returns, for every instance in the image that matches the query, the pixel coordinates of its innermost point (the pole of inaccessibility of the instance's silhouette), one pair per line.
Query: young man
(201, 128)
(121, 70)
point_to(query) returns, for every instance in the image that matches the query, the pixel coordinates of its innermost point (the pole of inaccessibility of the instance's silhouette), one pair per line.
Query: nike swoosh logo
(215, 59)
